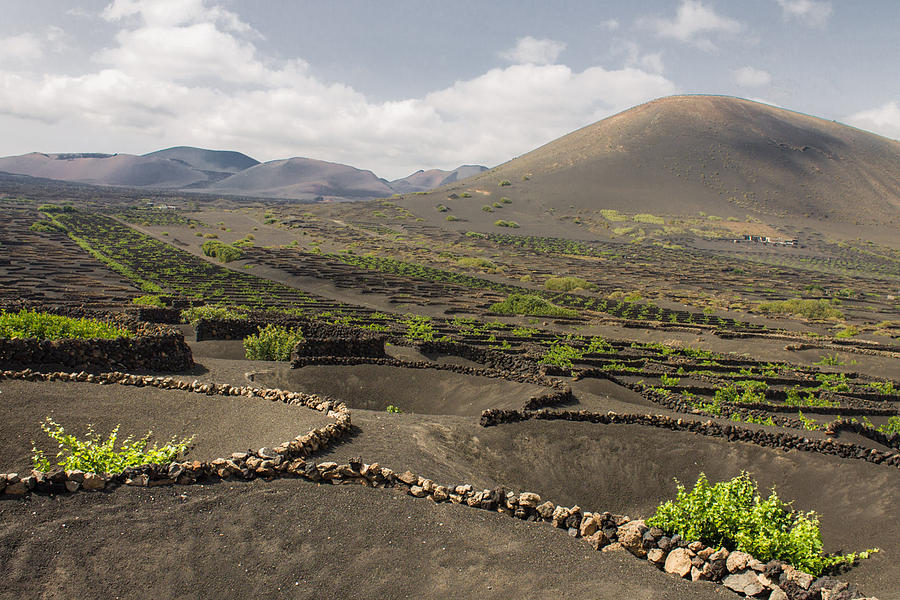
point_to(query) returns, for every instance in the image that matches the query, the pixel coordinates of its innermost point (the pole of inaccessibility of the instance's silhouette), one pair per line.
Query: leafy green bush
(819, 309)
(742, 392)
(272, 342)
(213, 311)
(562, 355)
(393, 409)
(567, 284)
(505, 183)
(475, 262)
(224, 252)
(487, 208)
(418, 328)
(34, 324)
(44, 226)
(891, 427)
(648, 218)
(451, 218)
(669, 380)
(149, 300)
(732, 514)
(510, 224)
(531, 305)
(96, 455)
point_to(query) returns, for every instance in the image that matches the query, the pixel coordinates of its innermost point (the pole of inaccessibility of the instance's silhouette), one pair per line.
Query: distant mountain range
(227, 173)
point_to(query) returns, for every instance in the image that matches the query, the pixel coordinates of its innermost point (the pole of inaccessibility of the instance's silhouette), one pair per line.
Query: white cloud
(610, 24)
(529, 50)
(883, 120)
(25, 47)
(633, 58)
(814, 13)
(194, 76)
(693, 22)
(751, 77)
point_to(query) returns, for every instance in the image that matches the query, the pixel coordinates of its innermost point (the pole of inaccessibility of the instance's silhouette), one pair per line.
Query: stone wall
(372, 347)
(165, 351)
(760, 437)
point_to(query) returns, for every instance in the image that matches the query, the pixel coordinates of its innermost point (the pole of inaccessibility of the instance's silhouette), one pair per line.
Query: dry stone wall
(162, 352)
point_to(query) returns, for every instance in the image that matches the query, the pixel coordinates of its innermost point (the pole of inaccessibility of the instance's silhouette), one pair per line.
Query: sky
(395, 86)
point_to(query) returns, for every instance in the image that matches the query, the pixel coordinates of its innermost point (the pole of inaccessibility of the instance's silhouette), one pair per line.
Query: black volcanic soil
(295, 539)
(221, 424)
(422, 391)
(292, 539)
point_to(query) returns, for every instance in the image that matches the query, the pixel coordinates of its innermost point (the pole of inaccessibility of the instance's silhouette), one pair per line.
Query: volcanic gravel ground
(221, 424)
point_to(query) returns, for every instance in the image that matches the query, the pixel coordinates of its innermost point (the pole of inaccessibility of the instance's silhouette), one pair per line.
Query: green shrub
(742, 392)
(830, 360)
(393, 409)
(418, 328)
(487, 208)
(44, 326)
(669, 380)
(531, 305)
(149, 300)
(648, 218)
(44, 226)
(732, 514)
(847, 332)
(465, 195)
(451, 218)
(96, 455)
(505, 183)
(567, 284)
(820, 309)
(213, 311)
(613, 215)
(510, 224)
(272, 342)
(505, 200)
(441, 208)
(892, 427)
(475, 262)
(224, 252)
(562, 355)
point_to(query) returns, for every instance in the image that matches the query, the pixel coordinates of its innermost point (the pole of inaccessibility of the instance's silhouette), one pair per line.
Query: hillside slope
(687, 154)
(422, 181)
(305, 178)
(103, 169)
(221, 161)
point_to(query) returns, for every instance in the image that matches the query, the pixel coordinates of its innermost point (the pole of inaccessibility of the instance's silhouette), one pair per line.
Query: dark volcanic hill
(686, 154)
(305, 178)
(105, 169)
(422, 181)
(220, 161)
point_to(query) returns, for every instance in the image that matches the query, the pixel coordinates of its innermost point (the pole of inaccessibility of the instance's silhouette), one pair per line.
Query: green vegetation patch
(567, 284)
(224, 252)
(648, 218)
(272, 342)
(820, 308)
(149, 300)
(510, 224)
(96, 455)
(531, 305)
(44, 326)
(214, 312)
(732, 514)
